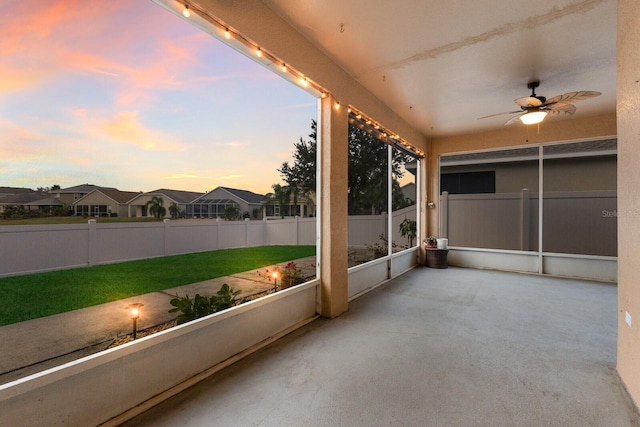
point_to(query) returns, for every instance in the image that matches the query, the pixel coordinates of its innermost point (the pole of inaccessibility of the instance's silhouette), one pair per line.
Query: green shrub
(201, 306)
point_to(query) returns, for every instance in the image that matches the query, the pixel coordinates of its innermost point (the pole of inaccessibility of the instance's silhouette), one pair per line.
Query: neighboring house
(138, 205)
(305, 206)
(27, 199)
(213, 203)
(409, 192)
(104, 202)
(70, 195)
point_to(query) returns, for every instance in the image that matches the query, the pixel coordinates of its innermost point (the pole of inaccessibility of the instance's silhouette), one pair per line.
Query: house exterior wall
(98, 199)
(628, 109)
(559, 174)
(68, 198)
(222, 194)
(136, 205)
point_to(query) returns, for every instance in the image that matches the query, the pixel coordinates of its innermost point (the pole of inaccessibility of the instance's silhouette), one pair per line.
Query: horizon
(127, 95)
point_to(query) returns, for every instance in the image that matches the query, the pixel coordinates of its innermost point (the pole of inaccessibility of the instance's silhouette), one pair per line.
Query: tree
(302, 173)
(175, 211)
(280, 195)
(231, 212)
(408, 229)
(47, 189)
(367, 175)
(156, 208)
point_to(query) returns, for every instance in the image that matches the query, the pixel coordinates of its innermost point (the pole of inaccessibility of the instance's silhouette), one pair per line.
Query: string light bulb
(259, 53)
(283, 67)
(227, 34)
(185, 11)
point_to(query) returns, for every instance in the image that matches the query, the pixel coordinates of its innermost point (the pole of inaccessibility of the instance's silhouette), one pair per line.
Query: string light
(230, 34)
(303, 81)
(365, 123)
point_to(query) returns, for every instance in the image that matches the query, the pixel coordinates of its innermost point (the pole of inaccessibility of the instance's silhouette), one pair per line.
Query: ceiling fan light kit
(533, 117)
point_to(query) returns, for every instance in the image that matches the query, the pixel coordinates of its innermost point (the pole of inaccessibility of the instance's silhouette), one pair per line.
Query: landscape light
(134, 311)
(275, 281)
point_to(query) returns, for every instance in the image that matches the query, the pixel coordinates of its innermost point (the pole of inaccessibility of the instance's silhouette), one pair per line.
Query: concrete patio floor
(454, 347)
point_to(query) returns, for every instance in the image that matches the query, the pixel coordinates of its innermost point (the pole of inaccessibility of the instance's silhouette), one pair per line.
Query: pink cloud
(126, 127)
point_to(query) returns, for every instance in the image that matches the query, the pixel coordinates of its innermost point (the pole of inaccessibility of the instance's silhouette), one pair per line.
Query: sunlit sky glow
(124, 94)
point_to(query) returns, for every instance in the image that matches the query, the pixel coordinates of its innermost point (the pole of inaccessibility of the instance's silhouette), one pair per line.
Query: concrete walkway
(35, 345)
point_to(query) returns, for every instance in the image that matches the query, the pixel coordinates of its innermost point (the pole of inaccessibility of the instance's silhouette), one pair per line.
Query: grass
(43, 294)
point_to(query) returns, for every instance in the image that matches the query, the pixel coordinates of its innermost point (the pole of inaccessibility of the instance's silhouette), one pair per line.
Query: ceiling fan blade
(572, 96)
(500, 114)
(528, 101)
(513, 119)
(560, 108)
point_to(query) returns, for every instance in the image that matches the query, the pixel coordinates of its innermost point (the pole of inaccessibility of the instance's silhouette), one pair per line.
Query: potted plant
(431, 242)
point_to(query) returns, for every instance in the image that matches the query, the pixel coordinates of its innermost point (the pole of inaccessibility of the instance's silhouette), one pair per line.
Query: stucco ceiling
(443, 64)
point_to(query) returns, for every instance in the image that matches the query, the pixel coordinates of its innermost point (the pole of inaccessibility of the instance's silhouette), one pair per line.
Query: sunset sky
(124, 94)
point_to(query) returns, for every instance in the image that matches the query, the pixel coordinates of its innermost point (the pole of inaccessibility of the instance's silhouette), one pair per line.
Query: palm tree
(295, 190)
(408, 230)
(281, 195)
(155, 207)
(174, 210)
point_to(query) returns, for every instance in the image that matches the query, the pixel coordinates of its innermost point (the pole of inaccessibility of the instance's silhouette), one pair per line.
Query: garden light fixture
(134, 310)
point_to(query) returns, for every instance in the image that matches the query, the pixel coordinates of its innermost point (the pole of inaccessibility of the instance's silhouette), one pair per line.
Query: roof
(178, 196)
(115, 195)
(119, 196)
(24, 198)
(247, 196)
(49, 201)
(82, 188)
(11, 191)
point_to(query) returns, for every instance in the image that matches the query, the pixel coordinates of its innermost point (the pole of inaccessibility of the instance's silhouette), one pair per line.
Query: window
(468, 182)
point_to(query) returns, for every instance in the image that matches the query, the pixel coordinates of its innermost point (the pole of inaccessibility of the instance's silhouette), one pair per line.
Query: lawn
(43, 294)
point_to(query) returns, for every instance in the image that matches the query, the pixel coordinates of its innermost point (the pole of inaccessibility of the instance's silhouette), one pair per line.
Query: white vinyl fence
(39, 248)
(576, 222)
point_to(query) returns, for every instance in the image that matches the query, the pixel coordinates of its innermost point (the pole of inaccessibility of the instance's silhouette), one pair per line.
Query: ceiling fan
(534, 108)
